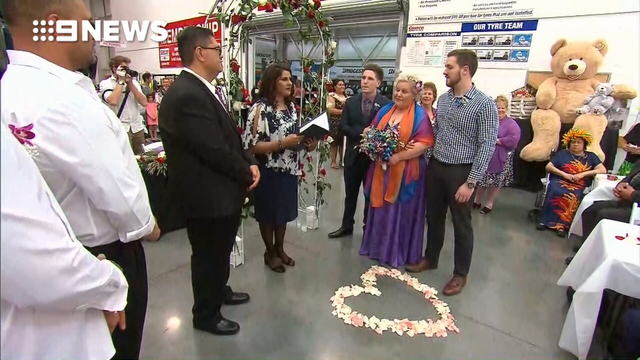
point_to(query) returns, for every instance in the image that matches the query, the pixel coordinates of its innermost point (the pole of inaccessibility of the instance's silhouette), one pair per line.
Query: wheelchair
(534, 214)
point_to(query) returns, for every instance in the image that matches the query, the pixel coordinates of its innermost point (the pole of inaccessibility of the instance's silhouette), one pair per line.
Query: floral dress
(334, 120)
(563, 197)
(276, 196)
(273, 125)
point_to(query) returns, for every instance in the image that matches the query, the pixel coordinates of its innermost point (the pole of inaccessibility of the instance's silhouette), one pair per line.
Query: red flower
(312, 14)
(269, 7)
(320, 24)
(317, 4)
(323, 172)
(240, 131)
(235, 67)
(245, 93)
(160, 160)
(306, 69)
(237, 19)
(141, 158)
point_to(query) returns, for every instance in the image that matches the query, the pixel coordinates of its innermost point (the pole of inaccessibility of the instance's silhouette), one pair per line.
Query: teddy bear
(599, 102)
(574, 66)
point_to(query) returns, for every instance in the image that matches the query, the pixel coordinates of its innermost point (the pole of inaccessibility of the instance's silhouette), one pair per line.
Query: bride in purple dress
(396, 216)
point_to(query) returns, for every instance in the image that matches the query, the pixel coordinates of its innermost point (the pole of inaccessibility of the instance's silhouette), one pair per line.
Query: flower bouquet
(380, 145)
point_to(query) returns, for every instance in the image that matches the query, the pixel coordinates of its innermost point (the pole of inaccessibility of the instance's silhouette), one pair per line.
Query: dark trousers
(606, 209)
(443, 181)
(130, 256)
(354, 176)
(211, 241)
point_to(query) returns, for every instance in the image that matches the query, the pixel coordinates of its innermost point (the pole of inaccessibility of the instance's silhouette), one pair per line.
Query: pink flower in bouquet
(380, 145)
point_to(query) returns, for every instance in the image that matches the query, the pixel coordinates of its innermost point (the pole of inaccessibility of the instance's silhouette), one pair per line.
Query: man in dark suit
(209, 174)
(628, 193)
(357, 114)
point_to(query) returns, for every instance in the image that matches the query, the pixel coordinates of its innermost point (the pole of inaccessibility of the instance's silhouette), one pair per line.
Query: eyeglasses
(217, 48)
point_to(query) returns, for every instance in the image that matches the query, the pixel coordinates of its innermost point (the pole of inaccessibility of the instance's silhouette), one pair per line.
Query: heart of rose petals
(620, 237)
(428, 328)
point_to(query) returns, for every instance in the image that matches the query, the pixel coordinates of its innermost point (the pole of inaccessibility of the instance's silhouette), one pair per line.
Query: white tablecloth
(602, 190)
(603, 262)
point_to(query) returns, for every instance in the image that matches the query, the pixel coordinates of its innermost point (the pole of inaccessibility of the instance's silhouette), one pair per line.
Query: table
(603, 262)
(602, 189)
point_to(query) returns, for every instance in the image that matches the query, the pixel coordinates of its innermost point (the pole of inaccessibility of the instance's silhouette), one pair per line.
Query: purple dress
(394, 232)
(500, 170)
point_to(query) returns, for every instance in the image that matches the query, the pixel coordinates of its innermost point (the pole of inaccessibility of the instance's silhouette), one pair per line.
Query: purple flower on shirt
(23, 134)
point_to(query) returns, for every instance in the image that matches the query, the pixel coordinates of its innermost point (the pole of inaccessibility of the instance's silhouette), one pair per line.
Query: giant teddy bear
(574, 66)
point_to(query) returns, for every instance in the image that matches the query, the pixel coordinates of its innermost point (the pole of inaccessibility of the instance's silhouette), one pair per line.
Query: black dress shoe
(237, 298)
(340, 233)
(221, 327)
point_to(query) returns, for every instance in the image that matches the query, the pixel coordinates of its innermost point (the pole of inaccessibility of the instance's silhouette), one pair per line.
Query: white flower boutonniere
(376, 106)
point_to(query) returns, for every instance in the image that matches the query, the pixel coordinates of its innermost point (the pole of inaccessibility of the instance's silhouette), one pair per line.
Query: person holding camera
(124, 94)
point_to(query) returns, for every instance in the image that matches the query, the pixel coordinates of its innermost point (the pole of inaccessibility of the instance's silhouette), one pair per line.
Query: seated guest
(630, 144)
(627, 193)
(500, 170)
(396, 195)
(572, 170)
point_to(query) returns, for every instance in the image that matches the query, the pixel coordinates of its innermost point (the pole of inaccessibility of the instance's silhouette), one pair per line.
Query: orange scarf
(378, 196)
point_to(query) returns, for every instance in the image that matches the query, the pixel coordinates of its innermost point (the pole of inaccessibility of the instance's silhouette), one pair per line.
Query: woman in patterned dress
(335, 104)
(571, 171)
(500, 170)
(271, 134)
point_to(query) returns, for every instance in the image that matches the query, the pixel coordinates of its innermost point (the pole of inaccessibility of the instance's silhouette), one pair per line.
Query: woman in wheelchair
(571, 171)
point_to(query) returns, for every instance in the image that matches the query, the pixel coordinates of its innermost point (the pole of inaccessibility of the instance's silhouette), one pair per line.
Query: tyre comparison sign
(168, 50)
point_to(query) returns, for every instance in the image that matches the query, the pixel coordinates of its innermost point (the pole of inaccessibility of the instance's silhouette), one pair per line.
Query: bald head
(22, 13)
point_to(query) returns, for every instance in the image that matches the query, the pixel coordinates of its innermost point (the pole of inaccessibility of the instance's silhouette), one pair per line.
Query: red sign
(168, 49)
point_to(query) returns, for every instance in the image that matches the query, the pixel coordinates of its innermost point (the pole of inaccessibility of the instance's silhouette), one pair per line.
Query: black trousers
(131, 258)
(211, 241)
(354, 176)
(443, 181)
(606, 209)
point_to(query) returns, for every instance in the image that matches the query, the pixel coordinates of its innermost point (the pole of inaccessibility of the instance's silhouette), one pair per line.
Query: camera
(125, 70)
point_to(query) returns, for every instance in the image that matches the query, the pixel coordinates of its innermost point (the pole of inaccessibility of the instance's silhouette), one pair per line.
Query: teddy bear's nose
(573, 67)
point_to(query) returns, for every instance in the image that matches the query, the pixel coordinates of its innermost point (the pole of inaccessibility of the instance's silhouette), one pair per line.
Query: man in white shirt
(81, 149)
(57, 298)
(124, 94)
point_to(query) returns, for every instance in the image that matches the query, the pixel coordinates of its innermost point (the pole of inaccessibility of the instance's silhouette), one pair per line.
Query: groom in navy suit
(357, 114)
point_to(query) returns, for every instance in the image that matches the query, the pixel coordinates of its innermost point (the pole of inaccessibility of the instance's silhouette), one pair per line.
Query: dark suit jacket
(208, 168)
(634, 171)
(353, 123)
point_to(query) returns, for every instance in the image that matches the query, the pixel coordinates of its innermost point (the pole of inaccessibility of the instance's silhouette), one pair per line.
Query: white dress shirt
(53, 289)
(81, 149)
(130, 118)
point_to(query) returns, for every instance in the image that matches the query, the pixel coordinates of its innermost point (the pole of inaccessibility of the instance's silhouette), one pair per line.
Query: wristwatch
(471, 185)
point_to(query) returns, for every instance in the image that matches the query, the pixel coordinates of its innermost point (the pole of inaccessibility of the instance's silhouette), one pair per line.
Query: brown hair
(269, 83)
(117, 60)
(466, 57)
(431, 86)
(376, 69)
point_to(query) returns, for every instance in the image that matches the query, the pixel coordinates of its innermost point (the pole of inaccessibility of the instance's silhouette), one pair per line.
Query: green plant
(153, 162)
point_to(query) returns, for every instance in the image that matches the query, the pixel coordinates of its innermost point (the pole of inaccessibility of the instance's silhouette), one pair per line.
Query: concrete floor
(511, 307)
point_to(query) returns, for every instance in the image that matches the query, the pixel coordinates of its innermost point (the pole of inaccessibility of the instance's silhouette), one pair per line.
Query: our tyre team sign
(168, 49)
(438, 11)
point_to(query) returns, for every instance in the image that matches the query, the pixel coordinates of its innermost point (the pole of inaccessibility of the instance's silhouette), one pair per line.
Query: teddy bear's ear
(601, 45)
(558, 45)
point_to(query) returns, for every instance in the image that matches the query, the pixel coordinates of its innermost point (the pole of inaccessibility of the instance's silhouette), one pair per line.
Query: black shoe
(340, 233)
(541, 227)
(221, 327)
(561, 233)
(237, 298)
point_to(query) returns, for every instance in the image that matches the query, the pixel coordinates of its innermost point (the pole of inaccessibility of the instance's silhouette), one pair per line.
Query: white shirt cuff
(139, 233)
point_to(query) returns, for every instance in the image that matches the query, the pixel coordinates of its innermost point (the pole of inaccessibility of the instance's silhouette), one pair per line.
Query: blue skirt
(276, 197)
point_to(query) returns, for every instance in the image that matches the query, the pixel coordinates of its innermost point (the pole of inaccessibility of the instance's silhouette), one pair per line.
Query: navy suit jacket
(353, 123)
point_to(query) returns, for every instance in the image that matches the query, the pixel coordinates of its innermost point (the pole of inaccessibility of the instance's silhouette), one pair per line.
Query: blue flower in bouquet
(380, 145)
